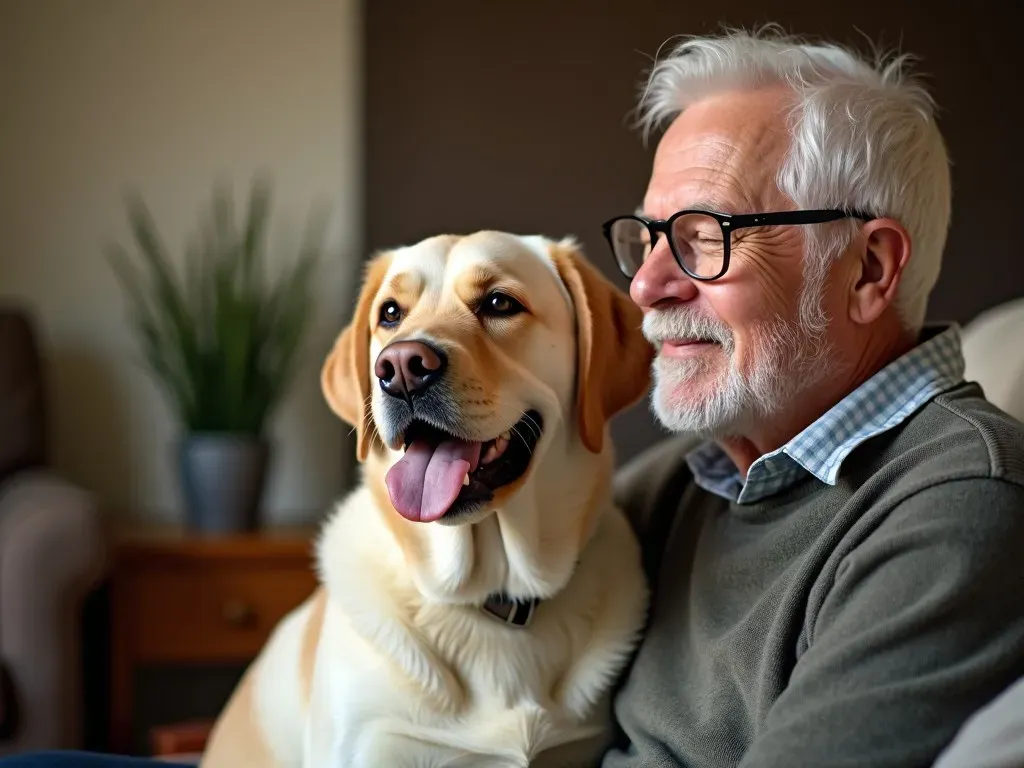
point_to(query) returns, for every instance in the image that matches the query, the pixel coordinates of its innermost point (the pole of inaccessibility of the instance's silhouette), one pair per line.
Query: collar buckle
(514, 613)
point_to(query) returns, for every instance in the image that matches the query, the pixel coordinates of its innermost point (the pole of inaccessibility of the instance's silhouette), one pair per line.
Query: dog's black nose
(407, 368)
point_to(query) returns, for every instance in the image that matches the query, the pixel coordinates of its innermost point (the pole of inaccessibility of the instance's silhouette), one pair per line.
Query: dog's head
(469, 360)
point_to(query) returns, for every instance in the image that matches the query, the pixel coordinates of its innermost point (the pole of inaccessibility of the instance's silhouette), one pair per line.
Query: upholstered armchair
(51, 556)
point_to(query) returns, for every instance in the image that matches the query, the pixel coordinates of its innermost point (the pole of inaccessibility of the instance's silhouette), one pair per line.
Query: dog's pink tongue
(423, 484)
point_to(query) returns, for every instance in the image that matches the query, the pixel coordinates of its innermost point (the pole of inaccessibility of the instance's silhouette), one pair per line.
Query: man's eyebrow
(704, 204)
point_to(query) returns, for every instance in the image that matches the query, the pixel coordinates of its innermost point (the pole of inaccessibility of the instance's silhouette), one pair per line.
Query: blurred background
(401, 119)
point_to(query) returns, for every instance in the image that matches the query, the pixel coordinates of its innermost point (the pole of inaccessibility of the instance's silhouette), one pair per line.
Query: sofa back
(994, 355)
(22, 411)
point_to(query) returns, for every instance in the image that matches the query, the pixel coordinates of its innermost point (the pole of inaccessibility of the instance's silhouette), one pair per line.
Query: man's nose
(408, 368)
(661, 280)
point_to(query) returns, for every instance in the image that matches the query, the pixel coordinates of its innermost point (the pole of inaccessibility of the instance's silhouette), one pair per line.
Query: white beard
(692, 396)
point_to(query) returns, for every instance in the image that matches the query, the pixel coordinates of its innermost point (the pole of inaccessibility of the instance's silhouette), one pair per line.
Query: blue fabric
(73, 759)
(879, 404)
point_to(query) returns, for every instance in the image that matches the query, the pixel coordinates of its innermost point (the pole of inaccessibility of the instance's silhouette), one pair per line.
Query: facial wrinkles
(706, 176)
(775, 254)
(745, 158)
(748, 161)
(772, 285)
(731, 149)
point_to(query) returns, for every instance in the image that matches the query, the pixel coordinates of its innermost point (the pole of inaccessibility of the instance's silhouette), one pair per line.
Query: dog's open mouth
(444, 475)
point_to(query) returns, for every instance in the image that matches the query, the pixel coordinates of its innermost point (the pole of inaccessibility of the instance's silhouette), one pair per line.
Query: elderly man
(838, 569)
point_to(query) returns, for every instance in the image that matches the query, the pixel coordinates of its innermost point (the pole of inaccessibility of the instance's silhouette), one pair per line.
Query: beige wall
(169, 95)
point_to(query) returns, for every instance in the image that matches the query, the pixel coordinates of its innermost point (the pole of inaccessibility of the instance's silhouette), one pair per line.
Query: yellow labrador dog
(480, 592)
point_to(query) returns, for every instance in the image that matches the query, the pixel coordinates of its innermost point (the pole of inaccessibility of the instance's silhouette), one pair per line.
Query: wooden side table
(185, 599)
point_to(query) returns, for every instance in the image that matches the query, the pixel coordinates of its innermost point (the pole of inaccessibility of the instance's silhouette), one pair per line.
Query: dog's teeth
(499, 446)
(495, 449)
(506, 436)
(465, 480)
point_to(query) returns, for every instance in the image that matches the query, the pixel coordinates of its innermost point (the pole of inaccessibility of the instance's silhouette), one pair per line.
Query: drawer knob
(238, 613)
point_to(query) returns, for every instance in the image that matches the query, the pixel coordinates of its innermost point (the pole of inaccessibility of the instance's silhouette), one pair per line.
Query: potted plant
(221, 340)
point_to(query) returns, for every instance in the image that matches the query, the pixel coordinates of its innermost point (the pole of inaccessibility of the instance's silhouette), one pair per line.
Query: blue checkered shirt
(879, 404)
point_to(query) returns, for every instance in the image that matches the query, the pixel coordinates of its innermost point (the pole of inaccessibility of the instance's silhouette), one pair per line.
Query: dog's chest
(498, 662)
(507, 692)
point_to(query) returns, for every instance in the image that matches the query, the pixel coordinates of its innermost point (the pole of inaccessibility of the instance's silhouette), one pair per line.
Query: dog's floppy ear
(345, 376)
(613, 359)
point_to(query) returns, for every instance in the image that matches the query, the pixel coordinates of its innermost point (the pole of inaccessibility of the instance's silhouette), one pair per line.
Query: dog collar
(515, 613)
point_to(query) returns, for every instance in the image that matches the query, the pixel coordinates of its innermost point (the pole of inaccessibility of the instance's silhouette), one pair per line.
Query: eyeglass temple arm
(791, 217)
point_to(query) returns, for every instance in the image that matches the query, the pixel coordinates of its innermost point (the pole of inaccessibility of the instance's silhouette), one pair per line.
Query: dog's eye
(501, 305)
(390, 313)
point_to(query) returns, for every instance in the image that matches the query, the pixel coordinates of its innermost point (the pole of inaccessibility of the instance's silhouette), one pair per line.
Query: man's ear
(345, 376)
(613, 359)
(882, 259)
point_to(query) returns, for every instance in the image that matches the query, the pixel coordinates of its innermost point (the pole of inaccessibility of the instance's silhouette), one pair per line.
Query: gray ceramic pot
(223, 477)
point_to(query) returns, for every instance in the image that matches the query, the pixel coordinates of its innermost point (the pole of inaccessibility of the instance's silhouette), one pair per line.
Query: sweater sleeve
(923, 626)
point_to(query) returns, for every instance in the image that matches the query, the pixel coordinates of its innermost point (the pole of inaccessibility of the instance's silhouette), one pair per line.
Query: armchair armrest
(51, 554)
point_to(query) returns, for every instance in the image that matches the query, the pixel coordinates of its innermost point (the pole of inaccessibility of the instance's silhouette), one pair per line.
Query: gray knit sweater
(850, 625)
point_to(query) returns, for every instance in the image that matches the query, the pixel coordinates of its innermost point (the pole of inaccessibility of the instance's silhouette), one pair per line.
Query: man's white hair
(864, 139)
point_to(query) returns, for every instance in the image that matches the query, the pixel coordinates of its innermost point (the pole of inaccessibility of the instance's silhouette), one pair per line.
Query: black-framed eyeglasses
(700, 240)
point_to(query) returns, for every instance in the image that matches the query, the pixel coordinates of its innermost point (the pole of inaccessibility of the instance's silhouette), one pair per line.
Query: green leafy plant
(221, 339)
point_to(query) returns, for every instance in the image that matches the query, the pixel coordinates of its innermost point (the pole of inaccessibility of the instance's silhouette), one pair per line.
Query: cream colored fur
(392, 663)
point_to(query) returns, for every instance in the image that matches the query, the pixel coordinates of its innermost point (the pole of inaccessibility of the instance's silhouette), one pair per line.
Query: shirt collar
(882, 402)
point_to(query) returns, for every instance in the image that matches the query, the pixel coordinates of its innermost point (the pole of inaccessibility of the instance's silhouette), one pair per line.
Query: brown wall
(515, 115)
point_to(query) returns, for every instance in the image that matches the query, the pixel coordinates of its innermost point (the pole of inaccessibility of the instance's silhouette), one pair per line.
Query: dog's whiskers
(532, 423)
(526, 442)
(367, 422)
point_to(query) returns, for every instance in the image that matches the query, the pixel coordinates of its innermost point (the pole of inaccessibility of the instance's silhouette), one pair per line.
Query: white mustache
(676, 324)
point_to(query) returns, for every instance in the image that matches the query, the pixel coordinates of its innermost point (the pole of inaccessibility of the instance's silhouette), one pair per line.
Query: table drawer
(211, 612)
